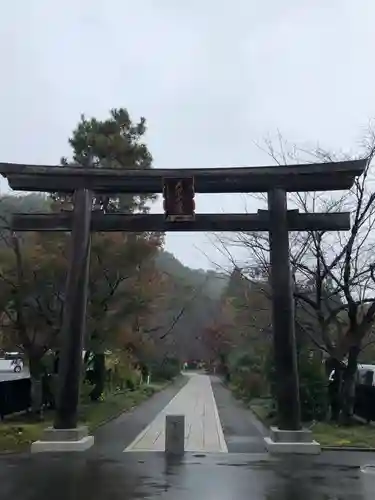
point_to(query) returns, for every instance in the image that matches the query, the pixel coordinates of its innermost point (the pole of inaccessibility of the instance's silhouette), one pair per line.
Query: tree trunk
(144, 372)
(36, 374)
(348, 386)
(99, 376)
(334, 387)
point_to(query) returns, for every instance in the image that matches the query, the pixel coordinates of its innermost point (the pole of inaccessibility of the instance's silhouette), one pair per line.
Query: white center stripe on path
(203, 431)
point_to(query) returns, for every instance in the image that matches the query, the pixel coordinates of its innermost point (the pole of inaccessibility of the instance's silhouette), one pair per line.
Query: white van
(365, 375)
(12, 361)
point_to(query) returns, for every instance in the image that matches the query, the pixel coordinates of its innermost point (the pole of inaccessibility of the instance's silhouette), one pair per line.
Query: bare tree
(334, 273)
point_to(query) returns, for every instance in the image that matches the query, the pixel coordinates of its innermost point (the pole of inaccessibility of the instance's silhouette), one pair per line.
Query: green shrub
(246, 375)
(312, 384)
(122, 376)
(313, 388)
(253, 385)
(130, 384)
(149, 390)
(85, 391)
(167, 369)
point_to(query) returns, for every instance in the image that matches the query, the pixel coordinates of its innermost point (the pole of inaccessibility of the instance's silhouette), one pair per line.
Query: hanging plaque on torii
(178, 199)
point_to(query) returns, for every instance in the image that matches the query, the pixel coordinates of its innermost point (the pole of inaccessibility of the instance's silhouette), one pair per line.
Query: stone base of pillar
(289, 442)
(63, 440)
(368, 481)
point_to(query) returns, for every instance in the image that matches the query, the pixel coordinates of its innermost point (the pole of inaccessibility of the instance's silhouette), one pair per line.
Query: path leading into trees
(215, 422)
(203, 430)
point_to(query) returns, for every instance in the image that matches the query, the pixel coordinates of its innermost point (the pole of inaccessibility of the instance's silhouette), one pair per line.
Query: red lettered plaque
(179, 204)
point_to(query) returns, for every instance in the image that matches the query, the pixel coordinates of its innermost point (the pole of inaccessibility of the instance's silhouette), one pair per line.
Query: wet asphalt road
(242, 432)
(151, 476)
(246, 472)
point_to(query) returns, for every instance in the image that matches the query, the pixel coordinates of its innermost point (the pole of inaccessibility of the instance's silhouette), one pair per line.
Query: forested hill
(194, 302)
(24, 204)
(186, 308)
(208, 282)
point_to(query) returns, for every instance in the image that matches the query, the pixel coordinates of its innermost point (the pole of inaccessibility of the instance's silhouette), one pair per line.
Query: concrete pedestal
(368, 481)
(175, 434)
(62, 440)
(298, 442)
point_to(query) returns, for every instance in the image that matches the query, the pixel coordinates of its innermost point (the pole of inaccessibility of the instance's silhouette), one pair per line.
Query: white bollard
(368, 481)
(175, 434)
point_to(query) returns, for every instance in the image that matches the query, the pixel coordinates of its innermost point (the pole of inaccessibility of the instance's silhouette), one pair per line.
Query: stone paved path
(203, 430)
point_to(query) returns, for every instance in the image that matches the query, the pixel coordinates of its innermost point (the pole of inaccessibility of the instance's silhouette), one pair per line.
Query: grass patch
(327, 434)
(95, 414)
(239, 394)
(18, 432)
(356, 435)
(262, 408)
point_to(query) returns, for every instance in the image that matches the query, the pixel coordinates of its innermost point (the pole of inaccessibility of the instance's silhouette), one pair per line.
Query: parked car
(17, 365)
(16, 361)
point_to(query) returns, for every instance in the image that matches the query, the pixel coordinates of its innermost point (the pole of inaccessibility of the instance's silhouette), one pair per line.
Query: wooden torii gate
(178, 187)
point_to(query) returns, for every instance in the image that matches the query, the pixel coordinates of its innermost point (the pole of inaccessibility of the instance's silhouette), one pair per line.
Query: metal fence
(15, 396)
(365, 402)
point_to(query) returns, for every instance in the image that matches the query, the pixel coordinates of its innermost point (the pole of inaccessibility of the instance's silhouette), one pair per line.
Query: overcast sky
(212, 77)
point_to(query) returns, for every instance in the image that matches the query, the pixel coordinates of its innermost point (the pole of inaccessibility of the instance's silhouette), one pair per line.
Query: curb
(261, 427)
(113, 417)
(259, 424)
(347, 448)
(265, 432)
(119, 413)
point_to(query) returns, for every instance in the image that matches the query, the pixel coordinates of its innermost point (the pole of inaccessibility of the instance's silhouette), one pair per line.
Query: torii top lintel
(304, 177)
